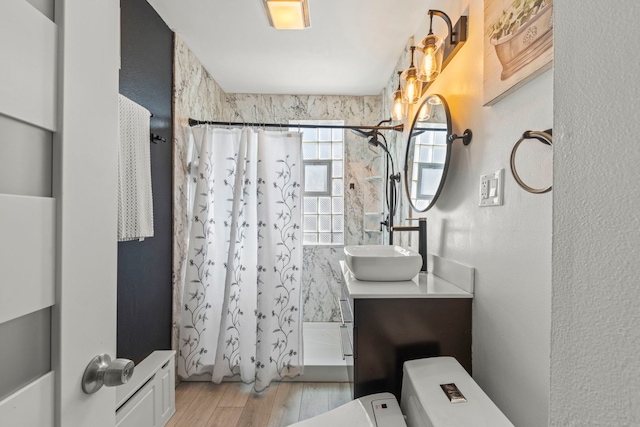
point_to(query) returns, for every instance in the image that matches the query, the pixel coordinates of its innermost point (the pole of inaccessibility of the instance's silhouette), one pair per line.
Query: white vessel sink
(378, 263)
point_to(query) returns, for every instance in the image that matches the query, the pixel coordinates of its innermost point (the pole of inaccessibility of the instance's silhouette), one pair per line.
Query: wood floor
(204, 404)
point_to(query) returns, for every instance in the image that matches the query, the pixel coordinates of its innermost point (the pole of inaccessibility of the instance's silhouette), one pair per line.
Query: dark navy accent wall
(144, 268)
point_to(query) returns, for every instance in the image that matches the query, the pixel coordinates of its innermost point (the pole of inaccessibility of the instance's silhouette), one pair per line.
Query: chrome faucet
(422, 237)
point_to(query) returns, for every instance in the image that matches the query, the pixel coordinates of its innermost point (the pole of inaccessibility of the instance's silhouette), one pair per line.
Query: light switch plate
(492, 188)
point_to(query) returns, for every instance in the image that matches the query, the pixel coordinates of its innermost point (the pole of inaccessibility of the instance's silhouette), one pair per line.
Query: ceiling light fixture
(287, 14)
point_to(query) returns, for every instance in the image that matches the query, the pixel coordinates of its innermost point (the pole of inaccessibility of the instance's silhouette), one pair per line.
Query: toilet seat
(376, 410)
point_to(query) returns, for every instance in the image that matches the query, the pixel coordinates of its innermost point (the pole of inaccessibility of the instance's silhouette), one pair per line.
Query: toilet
(436, 392)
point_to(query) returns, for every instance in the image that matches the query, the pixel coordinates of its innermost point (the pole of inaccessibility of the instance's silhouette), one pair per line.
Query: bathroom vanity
(385, 324)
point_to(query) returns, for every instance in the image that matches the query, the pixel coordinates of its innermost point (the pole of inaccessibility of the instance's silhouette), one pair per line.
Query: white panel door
(58, 249)
(85, 151)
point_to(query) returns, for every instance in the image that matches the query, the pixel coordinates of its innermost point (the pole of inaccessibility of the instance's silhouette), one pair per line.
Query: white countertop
(424, 285)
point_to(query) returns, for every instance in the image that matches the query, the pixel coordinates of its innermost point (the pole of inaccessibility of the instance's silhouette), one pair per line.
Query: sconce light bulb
(412, 90)
(411, 86)
(429, 64)
(398, 106)
(431, 59)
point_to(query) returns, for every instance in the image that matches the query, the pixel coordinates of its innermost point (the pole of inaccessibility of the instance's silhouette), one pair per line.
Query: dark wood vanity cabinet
(389, 331)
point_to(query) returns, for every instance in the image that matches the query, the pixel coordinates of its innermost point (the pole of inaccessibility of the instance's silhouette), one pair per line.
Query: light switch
(491, 188)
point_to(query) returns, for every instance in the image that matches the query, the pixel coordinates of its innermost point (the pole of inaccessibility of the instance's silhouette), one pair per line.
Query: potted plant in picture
(521, 34)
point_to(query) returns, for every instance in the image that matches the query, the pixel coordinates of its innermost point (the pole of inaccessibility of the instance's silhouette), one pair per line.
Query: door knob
(103, 371)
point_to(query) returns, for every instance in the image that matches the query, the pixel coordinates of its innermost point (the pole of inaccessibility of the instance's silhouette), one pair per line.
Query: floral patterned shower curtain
(241, 300)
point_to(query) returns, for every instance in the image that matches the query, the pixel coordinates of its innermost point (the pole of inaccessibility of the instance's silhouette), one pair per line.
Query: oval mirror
(428, 153)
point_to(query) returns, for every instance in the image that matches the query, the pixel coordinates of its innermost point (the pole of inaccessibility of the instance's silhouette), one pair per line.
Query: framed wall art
(518, 44)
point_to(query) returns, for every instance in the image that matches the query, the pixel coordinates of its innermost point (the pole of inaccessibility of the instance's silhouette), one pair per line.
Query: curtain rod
(397, 128)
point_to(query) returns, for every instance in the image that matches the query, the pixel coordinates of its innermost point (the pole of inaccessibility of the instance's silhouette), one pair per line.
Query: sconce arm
(446, 19)
(397, 128)
(465, 137)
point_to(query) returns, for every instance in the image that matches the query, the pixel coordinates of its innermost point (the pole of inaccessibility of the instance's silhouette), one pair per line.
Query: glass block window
(323, 192)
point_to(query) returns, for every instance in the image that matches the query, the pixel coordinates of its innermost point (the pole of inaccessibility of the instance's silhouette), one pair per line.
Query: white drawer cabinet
(148, 399)
(140, 410)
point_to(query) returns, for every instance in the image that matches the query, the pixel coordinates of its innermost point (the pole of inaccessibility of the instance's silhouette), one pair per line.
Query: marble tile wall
(397, 146)
(320, 283)
(360, 160)
(197, 95)
(321, 263)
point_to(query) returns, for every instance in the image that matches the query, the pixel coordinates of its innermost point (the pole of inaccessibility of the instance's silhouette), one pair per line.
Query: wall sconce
(437, 53)
(411, 86)
(287, 14)
(398, 107)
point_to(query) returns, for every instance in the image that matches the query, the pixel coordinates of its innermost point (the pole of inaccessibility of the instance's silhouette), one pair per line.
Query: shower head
(371, 135)
(364, 134)
(373, 141)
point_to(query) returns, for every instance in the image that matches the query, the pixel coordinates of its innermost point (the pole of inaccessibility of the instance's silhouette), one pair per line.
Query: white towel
(135, 203)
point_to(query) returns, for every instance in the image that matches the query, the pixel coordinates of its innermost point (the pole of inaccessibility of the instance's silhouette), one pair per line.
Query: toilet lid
(423, 393)
(350, 414)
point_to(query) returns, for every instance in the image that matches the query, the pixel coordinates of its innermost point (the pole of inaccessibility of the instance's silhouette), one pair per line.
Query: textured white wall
(595, 347)
(510, 245)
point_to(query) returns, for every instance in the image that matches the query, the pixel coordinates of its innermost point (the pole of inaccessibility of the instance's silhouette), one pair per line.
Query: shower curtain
(241, 299)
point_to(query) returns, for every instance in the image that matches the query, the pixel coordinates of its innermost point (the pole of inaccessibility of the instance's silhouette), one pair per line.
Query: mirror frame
(410, 146)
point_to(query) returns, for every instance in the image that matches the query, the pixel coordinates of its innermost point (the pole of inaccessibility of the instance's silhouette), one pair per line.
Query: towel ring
(544, 137)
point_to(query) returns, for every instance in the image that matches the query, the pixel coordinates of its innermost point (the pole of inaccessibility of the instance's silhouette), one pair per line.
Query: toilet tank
(426, 404)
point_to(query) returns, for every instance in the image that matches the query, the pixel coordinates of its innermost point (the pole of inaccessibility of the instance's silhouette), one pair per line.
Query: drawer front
(149, 399)
(166, 393)
(139, 411)
(345, 342)
(350, 363)
(346, 304)
(345, 311)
